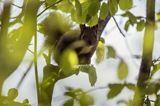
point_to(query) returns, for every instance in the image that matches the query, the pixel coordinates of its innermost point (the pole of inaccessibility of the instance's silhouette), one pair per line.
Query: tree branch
(146, 62)
(49, 7)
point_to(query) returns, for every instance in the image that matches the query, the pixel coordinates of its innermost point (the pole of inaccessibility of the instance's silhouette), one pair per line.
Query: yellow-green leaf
(78, 7)
(100, 52)
(113, 7)
(115, 89)
(93, 8)
(65, 6)
(104, 11)
(122, 70)
(140, 25)
(69, 102)
(86, 100)
(68, 60)
(125, 4)
(111, 52)
(91, 71)
(50, 2)
(93, 21)
(155, 69)
(12, 93)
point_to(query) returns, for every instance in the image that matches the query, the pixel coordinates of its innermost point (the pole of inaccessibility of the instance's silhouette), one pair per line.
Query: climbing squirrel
(61, 35)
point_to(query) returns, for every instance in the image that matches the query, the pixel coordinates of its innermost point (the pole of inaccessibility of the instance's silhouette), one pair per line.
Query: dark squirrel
(84, 42)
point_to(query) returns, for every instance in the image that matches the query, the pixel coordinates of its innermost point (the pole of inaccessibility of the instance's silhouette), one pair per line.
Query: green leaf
(111, 52)
(132, 17)
(115, 89)
(140, 25)
(155, 69)
(65, 6)
(122, 70)
(25, 101)
(100, 50)
(86, 100)
(47, 59)
(68, 61)
(113, 7)
(81, 19)
(91, 71)
(93, 8)
(93, 21)
(104, 11)
(126, 26)
(152, 88)
(69, 102)
(78, 7)
(125, 4)
(12, 93)
(130, 86)
(50, 2)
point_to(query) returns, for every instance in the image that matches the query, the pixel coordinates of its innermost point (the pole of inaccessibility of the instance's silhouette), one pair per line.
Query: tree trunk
(146, 62)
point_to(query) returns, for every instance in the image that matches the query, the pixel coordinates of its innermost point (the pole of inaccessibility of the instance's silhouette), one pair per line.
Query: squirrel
(60, 35)
(83, 42)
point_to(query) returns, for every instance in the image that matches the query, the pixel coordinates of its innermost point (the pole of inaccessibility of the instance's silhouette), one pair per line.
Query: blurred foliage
(65, 45)
(9, 100)
(122, 70)
(78, 95)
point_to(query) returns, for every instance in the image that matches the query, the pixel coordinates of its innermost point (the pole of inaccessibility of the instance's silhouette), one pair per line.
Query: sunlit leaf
(155, 69)
(78, 7)
(125, 4)
(91, 71)
(12, 93)
(104, 11)
(93, 8)
(130, 86)
(69, 102)
(140, 25)
(50, 2)
(65, 6)
(111, 52)
(86, 100)
(81, 19)
(100, 50)
(129, 103)
(132, 17)
(46, 58)
(68, 60)
(25, 101)
(93, 21)
(152, 88)
(113, 7)
(126, 26)
(115, 89)
(122, 70)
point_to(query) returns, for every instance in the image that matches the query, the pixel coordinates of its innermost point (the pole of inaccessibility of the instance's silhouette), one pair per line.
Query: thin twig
(24, 75)
(17, 6)
(36, 66)
(127, 45)
(118, 27)
(48, 7)
(97, 88)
